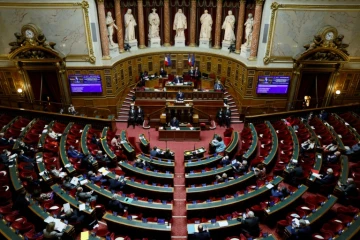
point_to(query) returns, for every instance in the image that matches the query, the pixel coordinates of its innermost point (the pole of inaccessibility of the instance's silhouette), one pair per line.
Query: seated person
(307, 145)
(332, 147)
(349, 188)
(327, 179)
(95, 140)
(86, 161)
(85, 196)
(168, 154)
(222, 178)
(5, 158)
(355, 149)
(218, 86)
(279, 192)
(66, 184)
(240, 167)
(4, 141)
(28, 150)
(250, 224)
(153, 152)
(180, 96)
(174, 122)
(100, 157)
(225, 160)
(53, 135)
(323, 115)
(71, 110)
(73, 216)
(302, 231)
(295, 172)
(333, 158)
(23, 158)
(219, 144)
(115, 142)
(177, 79)
(57, 173)
(162, 73)
(143, 164)
(117, 183)
(50, 233)
(260, 171)
(73, 153)
(115, 205)
(96, 178)
(202, 234)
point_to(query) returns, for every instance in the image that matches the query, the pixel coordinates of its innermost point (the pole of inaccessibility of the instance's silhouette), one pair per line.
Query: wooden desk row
(157, 162)
(275, 144)
(195, 95)
(233, 146)
(184, 134)
(105, 144)
(160, 177)
(44, 135)
(62, 149)
(203, 162)
(7, 126)
(127, 146)
(254, 142)
(83, 141)
(23, 133)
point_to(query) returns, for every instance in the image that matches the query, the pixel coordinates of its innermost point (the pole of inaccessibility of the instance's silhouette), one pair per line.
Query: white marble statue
(180, 24)
(229, 25)
(110, 23)
(154, 23)
(206, 25)
(249, 29)
(130, 24)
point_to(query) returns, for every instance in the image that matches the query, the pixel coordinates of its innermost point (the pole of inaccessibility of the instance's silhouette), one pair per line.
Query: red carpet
(179, 214)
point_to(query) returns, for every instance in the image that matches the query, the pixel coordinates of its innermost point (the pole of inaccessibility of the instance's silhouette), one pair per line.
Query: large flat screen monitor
(85, 83)
(273, 85)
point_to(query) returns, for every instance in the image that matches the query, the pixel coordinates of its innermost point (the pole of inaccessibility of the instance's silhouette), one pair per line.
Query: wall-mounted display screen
(273, 85)
(85, 83)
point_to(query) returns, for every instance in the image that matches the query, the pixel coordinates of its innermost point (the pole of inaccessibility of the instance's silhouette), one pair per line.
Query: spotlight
(127, 47)
(231, 48)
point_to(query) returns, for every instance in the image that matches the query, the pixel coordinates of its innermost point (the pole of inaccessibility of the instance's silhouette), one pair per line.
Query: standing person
(174, 123)
(206, 25)
(250, 224)
(180, 24)
(228, 26)
(154, 23)
(220, 117)
(180, 96)
(139, 116)
(202, 234)
(162, 73)
(130, 24)
(71, 110)
(132, 116)
(228, 117)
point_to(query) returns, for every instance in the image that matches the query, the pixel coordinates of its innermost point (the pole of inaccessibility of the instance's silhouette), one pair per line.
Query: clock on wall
(30, 31)
(328, 33)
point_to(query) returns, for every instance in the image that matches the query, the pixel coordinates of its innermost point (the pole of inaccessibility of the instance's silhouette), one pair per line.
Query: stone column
(218, 24)
(141, 24)
(103, 31)
(256, 30)
(119, 24)
(192, 23)
(167, 23)
(240, 26)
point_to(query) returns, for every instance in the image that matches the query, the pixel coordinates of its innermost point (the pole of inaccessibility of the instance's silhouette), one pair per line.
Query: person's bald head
(200, 228)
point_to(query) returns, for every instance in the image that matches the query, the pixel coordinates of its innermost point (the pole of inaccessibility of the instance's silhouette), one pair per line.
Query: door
(45, 85)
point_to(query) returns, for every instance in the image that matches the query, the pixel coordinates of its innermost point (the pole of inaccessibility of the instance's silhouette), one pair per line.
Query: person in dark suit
(192, 72)
(100, 157)
(139, 116)
(86, 161)
(23, 158)
(323, 115)
(4, 157)
(302, 232)
(180, 96)
(66, 184)
(132, 117)
(95, 178)
(348, 188)
(202, 234)
(116, 184)
(197, 73)
(168, 154)
(174, 122)
(240, 167)
(73, 216)
(220, 117)
(163, 73)
(177, 79)
(73, 153)
(218, 86)
(327, 179)
(21, 202)
(250, 224)
(333, 158)
(115, 205)
(4, 141)
(139, 164)
(85, 196)
(280, 192)
(295, 173)
(153, 152)
(227, 117)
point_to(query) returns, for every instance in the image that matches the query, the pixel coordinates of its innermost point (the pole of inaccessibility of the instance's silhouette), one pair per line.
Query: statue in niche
(110, 23)
(130, 24)
(180, 24)
(228, 26)
(154, 23)
(206, 25)
(248, 29)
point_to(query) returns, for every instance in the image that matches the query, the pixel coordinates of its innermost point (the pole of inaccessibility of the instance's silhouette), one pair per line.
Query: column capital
(260, 2)
(100, 1)
(242, 1)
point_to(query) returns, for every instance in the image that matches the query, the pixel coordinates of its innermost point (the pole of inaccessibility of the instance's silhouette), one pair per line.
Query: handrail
(156, 112)
(202, 112)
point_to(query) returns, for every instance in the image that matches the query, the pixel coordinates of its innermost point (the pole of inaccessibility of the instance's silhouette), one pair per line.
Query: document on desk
(49, 219)
(177, 128)
(316, 175)
(84, 235)
(59, 225)
(66, 207)
(223, 223)
(269, 186)
(172, 128)
(74, 181)
(82, 207)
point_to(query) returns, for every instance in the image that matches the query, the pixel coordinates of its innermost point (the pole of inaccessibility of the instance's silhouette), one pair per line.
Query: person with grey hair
(95, 178)
(73, 153)
(73, 216)
(50, 232)
(222, 178)
(202, 234)
(115, 205)
(117, 183)
(85, 196)
(303, 231)
(101, 158)
(250, 224)
(349, 188)
(4, 141)
(23, 158)
(327, 179)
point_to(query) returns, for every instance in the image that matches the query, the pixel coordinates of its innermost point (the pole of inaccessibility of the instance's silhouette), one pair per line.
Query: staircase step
(236, 121)
(123, 112)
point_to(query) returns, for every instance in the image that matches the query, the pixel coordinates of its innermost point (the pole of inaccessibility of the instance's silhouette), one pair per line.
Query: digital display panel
(85, 83)
(273, 85)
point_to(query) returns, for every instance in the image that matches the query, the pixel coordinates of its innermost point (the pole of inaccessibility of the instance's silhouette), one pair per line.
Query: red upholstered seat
(22, 227)
(227, 141)
(33, 235)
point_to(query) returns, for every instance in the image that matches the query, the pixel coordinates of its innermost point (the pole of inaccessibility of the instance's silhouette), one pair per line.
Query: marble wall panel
(64, 26)
(296, 28)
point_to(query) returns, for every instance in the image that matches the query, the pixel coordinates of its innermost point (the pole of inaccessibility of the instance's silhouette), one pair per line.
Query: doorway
(45, 85)
(313, 84)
